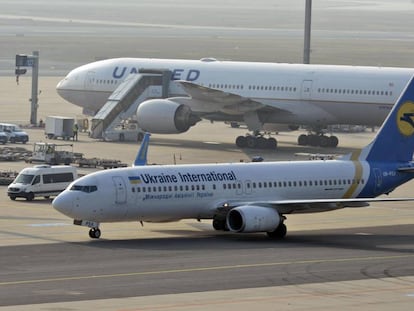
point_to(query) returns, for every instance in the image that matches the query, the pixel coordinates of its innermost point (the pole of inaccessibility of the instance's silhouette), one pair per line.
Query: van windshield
(24, 179)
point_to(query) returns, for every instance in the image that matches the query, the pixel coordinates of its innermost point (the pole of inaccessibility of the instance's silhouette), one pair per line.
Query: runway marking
(200, 269)
(56, 224)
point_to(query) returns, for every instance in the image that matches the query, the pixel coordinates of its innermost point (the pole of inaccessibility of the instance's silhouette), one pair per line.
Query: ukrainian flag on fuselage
(134, 180)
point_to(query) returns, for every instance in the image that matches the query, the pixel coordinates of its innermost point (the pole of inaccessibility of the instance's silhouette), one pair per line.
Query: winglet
(141, 158)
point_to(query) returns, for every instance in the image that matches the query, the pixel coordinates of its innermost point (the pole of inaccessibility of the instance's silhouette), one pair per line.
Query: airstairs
(124, 101)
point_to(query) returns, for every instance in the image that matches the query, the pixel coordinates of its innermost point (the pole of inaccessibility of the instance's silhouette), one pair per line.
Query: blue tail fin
(395, 139)
(141, 158)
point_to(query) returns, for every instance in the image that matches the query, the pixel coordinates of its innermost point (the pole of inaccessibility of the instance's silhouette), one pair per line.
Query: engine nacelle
(164, 116)
(248, 218)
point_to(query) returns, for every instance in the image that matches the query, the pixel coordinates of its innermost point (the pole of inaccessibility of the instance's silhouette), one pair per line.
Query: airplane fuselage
(304, 94)
(168, 193)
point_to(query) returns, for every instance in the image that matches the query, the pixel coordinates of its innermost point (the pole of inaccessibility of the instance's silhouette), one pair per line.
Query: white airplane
(247, 92)
(248, 197)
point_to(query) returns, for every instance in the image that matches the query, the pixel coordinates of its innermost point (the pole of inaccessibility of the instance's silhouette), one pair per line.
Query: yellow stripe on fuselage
(358, 174)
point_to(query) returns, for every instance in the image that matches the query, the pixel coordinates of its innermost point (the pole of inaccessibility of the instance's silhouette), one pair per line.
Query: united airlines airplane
(253, 93)
(248, 197)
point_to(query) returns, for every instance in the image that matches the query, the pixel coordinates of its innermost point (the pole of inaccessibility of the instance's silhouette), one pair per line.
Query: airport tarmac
(359, 259)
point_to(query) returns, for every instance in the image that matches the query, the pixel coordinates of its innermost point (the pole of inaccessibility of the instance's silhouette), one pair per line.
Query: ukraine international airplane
(248, 197)
(252, 93)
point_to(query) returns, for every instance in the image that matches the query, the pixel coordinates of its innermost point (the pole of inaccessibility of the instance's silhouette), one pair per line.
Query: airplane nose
(61, 88)
(63, 203)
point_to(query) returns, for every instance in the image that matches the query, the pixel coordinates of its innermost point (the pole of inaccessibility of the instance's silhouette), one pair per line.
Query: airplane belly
(356, 113)
(165, 207)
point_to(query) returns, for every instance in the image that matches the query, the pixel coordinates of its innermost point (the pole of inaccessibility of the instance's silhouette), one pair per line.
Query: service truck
(59, 127)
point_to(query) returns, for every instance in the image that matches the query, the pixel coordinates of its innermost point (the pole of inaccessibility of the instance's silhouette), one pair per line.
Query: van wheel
(12, 140)
(12, 197)
(30, 196)
(47, 197)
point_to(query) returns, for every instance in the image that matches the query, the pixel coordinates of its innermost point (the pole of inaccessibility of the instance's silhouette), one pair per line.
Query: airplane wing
(224, 101)
(204, 100)
(309, 206)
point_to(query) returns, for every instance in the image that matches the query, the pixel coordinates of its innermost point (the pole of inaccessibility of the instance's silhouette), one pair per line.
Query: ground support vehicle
(14, 133)
(41, 180)
(53, 154)
(59, 127)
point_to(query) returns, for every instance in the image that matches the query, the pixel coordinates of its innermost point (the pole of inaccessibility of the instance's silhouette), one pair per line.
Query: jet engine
(248, 218)
(164, 116)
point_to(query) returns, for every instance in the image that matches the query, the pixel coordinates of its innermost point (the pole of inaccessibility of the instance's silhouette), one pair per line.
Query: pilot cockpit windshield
(87, 189)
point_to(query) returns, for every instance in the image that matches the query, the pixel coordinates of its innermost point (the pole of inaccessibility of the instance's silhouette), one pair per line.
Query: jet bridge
(124, 101)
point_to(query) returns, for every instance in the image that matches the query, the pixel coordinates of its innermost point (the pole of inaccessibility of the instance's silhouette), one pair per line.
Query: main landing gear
(279, 233)
(256, 141)
(318, 140)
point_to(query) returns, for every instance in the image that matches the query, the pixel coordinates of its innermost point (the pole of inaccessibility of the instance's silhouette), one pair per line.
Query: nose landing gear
(94, 233)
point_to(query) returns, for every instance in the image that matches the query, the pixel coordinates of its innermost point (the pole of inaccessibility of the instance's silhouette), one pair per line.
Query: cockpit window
(24, 179)
(87, 189)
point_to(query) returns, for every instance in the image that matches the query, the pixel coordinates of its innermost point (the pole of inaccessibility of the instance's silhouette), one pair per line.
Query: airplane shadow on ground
(384, 239)
(287, 149)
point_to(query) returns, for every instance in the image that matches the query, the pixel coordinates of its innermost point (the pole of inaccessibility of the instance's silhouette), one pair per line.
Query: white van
(14, 133)
(3, 138)
(41, 181)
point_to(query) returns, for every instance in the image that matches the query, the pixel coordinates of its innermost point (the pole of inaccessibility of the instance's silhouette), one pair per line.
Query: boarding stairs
(124, 101)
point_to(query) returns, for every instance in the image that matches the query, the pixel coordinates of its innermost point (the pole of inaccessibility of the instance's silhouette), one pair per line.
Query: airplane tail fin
(394, 141)
(141, 158)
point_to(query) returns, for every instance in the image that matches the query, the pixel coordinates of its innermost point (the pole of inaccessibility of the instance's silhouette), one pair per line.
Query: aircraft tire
(279, 232)
(324, 141)
(271, 143)
(333, 141)
(313, 140)
(251, 142)
(219, 225)
(261, 143)
(241, 142)
(95, 233)
(303, 140)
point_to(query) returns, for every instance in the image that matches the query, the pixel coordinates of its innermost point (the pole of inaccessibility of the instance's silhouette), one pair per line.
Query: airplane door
(90, 80)
(307, 89)
(120, 190)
